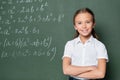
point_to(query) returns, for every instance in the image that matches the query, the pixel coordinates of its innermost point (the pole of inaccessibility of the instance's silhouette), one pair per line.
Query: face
(84, 24)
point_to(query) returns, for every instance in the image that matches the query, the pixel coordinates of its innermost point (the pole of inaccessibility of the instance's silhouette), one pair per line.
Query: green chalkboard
(33, 34)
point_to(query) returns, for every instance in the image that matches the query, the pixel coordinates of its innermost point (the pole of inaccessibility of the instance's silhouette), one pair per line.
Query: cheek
(90, 29)
(78, 26)
(75, 27)
(90, 26)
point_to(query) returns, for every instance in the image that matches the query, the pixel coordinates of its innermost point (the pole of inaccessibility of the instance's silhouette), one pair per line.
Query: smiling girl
(85, 56)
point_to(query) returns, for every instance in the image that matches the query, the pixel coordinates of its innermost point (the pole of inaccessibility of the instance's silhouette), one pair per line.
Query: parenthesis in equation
(54, 53)
(50, 38)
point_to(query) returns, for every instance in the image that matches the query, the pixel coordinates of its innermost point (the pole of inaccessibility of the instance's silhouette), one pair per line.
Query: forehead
(83, 16)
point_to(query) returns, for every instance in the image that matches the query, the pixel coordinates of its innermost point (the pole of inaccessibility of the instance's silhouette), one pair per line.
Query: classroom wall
(33, 34)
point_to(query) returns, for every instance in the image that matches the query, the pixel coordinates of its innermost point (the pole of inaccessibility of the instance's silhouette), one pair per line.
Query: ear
(94, 25)
(75, 27)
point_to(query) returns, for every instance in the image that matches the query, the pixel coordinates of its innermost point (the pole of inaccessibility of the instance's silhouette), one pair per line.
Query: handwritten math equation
(19, 34)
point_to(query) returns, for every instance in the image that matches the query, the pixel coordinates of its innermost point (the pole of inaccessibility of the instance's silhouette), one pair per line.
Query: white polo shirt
(85, 54)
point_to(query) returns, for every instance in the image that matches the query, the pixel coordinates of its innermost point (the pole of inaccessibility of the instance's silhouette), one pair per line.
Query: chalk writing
(21, 34)
(30, 11)
(26, 30)
(22, 45)
(27, 52)
(25, 42)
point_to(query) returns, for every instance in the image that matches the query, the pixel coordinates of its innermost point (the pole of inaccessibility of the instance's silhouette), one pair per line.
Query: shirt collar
(78, 40)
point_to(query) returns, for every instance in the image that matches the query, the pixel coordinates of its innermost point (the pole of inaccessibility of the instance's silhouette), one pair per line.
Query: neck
(84, 38)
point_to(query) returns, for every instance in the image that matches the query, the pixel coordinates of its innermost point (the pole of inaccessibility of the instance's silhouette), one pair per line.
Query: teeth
(84, 30)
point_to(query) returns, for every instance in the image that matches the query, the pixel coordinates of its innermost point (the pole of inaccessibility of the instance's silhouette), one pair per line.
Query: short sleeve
(102, 51)
(68, 50)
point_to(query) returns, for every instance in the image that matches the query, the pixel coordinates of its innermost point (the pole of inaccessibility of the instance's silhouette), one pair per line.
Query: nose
(84, 25)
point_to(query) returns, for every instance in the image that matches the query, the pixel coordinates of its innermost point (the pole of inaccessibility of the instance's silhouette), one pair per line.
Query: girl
(84, 57)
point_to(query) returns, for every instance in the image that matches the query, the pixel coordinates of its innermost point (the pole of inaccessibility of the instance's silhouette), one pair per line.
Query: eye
(79, 23)
(88, 22)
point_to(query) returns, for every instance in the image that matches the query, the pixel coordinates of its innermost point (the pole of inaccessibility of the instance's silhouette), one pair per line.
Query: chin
(86, 35)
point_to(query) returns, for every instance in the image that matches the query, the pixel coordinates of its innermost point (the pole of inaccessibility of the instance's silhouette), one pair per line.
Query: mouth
(84, 31)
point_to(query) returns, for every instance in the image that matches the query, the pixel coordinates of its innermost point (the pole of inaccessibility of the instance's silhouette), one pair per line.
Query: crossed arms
(89, 72)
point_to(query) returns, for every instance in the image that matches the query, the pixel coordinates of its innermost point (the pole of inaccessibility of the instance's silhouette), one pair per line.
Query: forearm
(95, 74)
(76, 70)
(99, 72)
(69, 69)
